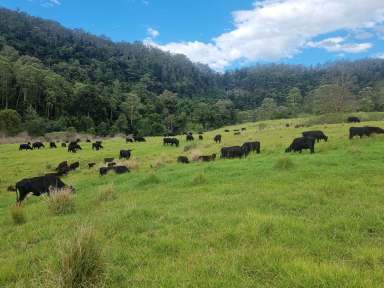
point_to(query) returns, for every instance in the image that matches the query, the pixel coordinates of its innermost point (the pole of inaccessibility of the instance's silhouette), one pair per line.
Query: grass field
(271, 220)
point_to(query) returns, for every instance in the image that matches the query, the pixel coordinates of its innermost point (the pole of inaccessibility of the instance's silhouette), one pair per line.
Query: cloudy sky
(226, 34)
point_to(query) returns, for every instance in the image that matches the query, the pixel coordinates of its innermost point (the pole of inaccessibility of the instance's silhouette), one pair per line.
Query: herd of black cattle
(44, 184)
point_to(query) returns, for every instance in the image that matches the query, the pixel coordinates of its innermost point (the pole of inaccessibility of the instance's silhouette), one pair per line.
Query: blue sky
(225, 34)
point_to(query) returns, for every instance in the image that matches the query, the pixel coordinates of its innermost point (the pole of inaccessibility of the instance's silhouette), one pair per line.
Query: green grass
(271, 220)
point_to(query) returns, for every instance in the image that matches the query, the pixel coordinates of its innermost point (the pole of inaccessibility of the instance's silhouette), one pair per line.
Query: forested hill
(53, 78)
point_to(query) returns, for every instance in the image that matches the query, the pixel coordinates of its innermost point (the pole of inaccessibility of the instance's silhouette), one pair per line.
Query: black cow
(120, 169)
(111, 164)
(126, 154)
(232, 152)
(74, 166)
(62, 169)
(249, 147)
(190, 137)
(52, 145)
(353, 119)
(38, 145)
(317, 134)
(226, 130)
(182, 159)
(88, 141)
(364, 131)
(201, 137)
(129, 139)
(207, 158)
(38, 186)
(171, 141)
(64, 145)
(243, 129)
(302, 143)
(104, 170)
(237, 133)
(217, 138)
(97, 146)
(139, 139)
(91, 165)
(73, 147)
(108, 160)
(25, 147)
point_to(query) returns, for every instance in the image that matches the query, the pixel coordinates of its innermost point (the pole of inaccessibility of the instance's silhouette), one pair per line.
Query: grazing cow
(207, 158)
(63, 145)
(217, 138)
(190, 137)
(129, 139)
(38, 186)
(226, 130)
(104, 170)
(353, 119)
(38, 145)
(237, 133)
(236, 130)
(52, 145)
(232, 152)
(317, 134)
(139, 139)
(200, 137)
(88, 141)
(302, 143)
(126, 154)
(171, 141)
(364, 131)
(243, 129)
(182, 159)
(111, 164)
(25, 147)
(108, 160)
(287, 125)
(120, 169)
(74, 166)
(249, 147)
(97, 146)
(73, 147)
(62, 169)
(91, 165)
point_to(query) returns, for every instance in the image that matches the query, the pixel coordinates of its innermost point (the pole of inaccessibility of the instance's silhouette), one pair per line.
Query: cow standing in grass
(302, 143)
(317, 134)
(364, 131)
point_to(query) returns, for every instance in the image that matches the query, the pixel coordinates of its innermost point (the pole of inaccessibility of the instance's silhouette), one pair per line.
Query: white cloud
(276, 29)
(152, 33)
(337, 44)
(50, 3)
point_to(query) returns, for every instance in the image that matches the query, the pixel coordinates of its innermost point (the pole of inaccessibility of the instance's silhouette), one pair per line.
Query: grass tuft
(18, 215)
(284, 163)
(107, 193)
(81, 264)
(199, 179)
(61, 202)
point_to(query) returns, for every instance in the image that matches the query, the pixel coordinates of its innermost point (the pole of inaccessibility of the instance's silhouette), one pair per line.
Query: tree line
(54, 79)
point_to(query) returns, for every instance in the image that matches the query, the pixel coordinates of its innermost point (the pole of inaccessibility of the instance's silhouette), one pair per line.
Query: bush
(284, 163)
(81, 263)
(10, 122)
(61, 202)
(17, 214)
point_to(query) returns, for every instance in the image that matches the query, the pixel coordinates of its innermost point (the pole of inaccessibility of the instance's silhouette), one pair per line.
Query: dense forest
(54, 79)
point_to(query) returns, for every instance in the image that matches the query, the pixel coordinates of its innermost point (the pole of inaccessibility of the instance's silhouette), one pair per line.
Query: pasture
(270, 220)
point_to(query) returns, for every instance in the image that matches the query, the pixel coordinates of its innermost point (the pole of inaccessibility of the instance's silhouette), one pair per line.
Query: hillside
(57, 79)
(271, 220)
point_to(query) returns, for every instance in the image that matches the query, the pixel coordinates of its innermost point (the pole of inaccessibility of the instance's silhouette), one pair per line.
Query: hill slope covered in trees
(55, 78)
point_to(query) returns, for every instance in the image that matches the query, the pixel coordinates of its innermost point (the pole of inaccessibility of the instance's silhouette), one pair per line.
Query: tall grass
(18, 215)
(61, 202)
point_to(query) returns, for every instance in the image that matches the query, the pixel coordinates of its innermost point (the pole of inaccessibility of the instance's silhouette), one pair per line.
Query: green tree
(294, 101)
(366, 97)
(268, 109)
(10, 122)
(331, 98)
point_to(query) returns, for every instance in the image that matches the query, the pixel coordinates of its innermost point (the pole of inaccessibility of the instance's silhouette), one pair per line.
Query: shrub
(17, 214)
(10, 122)
(81, 263)
(61, 201)
(284, 163)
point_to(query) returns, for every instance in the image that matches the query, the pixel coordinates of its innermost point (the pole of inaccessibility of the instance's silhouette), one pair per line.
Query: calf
(126, 154)
(74, 147)
(190, 137)
(37, 186)
(302, 143)
(52, 145)
(207, 158)
(104, 170)
(364, 131)
(217, 138)
(249, 147)
(25, 147)
(74, 166)
(182, 159)
(317, 134)
(91, 165)
(97, 146)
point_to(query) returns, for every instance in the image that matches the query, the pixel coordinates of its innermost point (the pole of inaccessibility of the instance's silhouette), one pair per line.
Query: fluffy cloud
(50, 3)
(276, 29)
(337, 44)
(152, 33)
